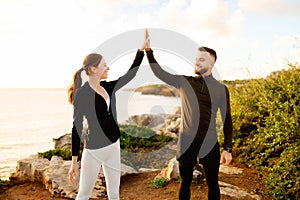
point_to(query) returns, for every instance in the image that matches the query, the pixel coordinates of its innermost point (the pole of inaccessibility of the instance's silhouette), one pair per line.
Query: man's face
(204, 62)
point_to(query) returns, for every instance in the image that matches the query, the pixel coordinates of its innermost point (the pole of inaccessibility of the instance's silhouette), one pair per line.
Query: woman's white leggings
(91, 161)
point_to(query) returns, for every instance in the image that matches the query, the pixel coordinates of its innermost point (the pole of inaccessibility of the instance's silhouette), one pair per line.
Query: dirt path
(136, 187)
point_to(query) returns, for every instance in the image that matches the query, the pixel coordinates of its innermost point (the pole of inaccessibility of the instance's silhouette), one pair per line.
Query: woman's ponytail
(92, 59)
(76, 83)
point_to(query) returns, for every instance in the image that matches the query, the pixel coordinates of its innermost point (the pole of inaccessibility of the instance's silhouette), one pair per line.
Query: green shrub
(135, 137)
(284, 176)
(158, 183)
(64, 153)
(266, 122)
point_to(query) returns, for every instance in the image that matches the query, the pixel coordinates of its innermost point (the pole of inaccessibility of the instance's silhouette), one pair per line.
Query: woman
(102, 147)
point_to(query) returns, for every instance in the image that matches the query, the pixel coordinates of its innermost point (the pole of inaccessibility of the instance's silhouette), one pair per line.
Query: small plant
(177, 180)
(158, 183)
(196, 180)
(4, 182)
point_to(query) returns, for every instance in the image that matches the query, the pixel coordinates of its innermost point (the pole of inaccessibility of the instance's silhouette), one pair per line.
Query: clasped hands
(146, 43)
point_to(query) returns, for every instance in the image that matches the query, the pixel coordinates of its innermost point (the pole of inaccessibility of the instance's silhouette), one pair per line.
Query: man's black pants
(211, 164)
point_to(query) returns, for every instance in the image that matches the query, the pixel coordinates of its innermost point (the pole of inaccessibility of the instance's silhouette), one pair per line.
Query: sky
(43, 42)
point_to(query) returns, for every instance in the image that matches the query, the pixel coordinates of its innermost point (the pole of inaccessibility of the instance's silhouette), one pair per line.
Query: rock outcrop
(54, 175)
(169, 124)
(147, 120)
(171, 171)
(236, 192)
(63, 142)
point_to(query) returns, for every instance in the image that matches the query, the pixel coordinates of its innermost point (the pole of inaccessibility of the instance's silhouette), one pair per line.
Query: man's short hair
(210, 51)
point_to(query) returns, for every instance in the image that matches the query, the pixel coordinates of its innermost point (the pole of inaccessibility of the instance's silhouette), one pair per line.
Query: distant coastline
(169, 91)
(156, 89)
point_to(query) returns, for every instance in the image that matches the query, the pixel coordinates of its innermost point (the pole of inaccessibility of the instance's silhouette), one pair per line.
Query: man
(201, 97)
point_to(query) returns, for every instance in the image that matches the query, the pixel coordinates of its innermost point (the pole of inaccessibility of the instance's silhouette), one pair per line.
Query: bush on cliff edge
(266, 118)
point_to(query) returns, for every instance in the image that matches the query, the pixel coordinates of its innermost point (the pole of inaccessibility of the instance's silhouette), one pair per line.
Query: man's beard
(200, 72)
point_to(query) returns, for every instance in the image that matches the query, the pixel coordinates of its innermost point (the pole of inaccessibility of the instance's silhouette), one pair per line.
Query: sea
(31, 117)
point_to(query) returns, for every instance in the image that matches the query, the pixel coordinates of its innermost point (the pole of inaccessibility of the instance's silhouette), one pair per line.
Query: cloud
(209, 17)
(285, 41)
(114, 3)
(113, 7)
(272, 7)
(287, 48)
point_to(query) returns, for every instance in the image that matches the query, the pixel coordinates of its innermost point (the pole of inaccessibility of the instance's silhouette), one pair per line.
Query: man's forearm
(168, 78)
